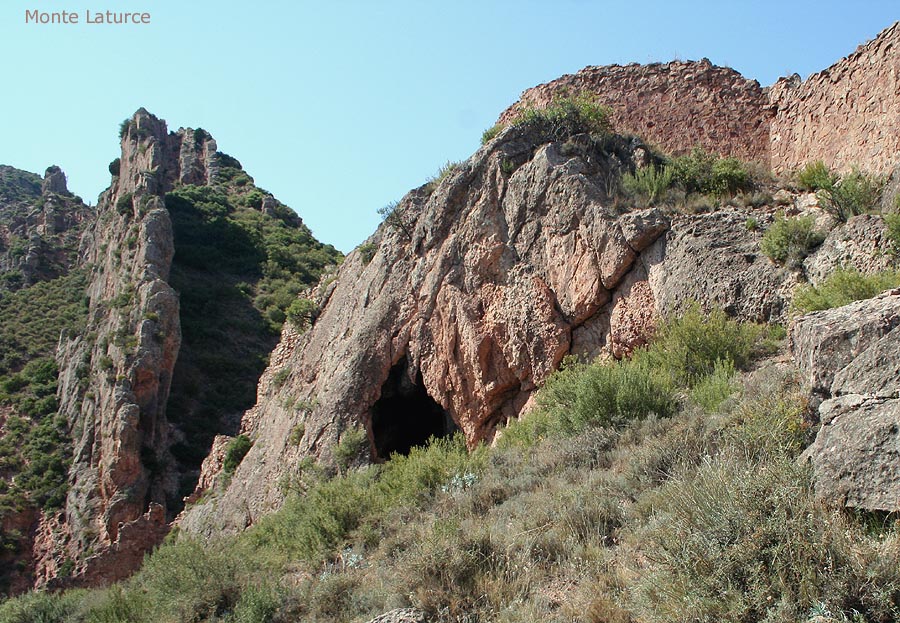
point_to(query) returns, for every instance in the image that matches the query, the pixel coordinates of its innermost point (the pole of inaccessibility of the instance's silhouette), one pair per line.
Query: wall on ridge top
(673, 105)
(847, 115)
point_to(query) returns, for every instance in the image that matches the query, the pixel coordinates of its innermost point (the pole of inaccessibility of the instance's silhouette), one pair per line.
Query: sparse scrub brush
(816, 176)
(854, 194)
(842, 287)
(650, 183)
(789, 240)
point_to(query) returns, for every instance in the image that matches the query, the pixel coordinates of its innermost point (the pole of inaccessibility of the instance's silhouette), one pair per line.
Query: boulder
(848, 357)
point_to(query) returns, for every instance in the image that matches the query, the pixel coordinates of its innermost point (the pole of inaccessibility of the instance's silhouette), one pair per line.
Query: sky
(339, 107)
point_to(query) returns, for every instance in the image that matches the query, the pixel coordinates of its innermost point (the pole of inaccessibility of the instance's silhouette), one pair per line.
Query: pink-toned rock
(633, 320)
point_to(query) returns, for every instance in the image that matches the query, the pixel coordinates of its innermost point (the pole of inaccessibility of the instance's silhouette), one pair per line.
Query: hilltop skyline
(341, 109)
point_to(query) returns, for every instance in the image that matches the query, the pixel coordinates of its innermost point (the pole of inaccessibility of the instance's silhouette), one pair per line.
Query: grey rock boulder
(848, 356)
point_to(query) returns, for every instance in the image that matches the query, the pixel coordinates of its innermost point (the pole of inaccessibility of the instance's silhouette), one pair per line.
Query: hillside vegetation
(676, 495)
(238, 266)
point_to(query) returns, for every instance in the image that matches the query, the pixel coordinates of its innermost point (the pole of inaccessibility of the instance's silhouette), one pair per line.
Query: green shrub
(115, 166)
(402, 220)
(613, 394)
(693, 346)
(854, 194)
(124, 204)
(705, 173)
(353, 443)
(443, 173)
(235, 452)
(714, 389)
(737, 540)
(124, 127)
(816, 176)
(566, 116)
(188, 581)
(367, 252)
(694, 352)
(651, 183)
(315, 525)
(302, 313)
(789, 240)
(842, 287)
(892, 232)
(491, 132)
(40, 607)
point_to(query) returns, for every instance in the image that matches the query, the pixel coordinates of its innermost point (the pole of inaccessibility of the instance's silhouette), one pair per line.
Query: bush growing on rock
(650, 183)
(789, 240)
(694, 351)
(842, 287)
(892, 222)
(302, 313)
(567, 115)
(235, 452)
(851, 195)
(705, 173)
(816, 176)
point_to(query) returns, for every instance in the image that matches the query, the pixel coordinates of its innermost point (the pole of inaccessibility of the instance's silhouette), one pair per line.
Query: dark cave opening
(406, 416)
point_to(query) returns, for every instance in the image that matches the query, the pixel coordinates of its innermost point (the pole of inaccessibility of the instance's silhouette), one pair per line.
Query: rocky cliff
(848, 358)
(40, 225)
(149, 381)
(846, 115)
(41, 293)
(447, 319)
(675, 105)
(476, 287)
(115, 376)
(456, 318)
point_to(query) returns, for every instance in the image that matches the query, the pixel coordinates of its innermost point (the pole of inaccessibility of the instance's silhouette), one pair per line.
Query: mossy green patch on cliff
(241, 259)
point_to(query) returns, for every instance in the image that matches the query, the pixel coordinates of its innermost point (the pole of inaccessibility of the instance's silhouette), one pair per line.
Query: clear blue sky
(339, 107)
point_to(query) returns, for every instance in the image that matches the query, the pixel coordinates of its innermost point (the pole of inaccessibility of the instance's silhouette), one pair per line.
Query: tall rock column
(115, 378)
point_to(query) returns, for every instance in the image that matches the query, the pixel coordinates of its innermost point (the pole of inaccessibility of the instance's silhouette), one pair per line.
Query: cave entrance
(406, 416)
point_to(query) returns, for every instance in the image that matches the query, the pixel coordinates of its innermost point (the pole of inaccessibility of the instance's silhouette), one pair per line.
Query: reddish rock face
(116, 506)
(459, 319)
(846, 115)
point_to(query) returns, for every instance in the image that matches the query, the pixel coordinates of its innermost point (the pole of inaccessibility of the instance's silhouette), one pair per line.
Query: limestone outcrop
(847, 356)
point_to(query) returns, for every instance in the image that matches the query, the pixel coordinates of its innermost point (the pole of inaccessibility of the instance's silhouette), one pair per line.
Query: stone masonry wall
(847, 115)
(674, 105)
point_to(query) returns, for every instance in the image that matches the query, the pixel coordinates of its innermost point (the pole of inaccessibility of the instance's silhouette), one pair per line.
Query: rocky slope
(448, 318)
(41, 293)
(453, 313)
(40, 225)
(848, 358)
